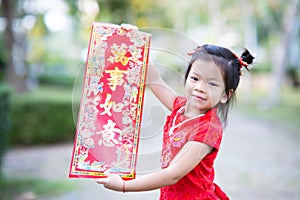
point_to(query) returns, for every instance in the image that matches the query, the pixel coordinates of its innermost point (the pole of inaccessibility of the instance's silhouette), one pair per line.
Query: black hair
(230, 65)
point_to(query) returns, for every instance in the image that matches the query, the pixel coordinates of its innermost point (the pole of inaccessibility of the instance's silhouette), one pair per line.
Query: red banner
(110, 114)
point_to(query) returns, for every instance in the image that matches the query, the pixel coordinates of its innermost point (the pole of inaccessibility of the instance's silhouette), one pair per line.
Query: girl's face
(204, 88)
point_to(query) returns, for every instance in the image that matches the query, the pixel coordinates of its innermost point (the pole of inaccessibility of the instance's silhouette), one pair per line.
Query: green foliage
(64, 81)
(4, 118)
(118, 9)
(143, 14)
(42, 117)
(11, 188)
(3, 57)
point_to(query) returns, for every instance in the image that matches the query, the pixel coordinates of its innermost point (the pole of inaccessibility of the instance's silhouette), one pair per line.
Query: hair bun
(247, 57)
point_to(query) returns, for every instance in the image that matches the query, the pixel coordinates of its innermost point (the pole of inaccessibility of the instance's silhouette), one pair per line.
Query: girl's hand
(128, 27)
(113, 182)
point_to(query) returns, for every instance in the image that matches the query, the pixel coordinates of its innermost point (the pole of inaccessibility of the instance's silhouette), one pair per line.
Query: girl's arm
(187, 159)
(159, 87)
(154, 81)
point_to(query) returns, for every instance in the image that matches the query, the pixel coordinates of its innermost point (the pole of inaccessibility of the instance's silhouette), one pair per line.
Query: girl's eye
(194, 78)
(212, 84)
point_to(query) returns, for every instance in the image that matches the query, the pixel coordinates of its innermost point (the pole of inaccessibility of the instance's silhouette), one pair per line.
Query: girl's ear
(226, 97)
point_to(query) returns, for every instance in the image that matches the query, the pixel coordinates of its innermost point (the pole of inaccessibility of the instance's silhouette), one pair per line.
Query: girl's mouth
(199, 98)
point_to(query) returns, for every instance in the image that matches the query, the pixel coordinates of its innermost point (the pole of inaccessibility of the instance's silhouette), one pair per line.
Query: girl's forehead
(206, 68)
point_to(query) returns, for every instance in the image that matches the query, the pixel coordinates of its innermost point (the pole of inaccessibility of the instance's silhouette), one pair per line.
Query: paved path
(258, 160)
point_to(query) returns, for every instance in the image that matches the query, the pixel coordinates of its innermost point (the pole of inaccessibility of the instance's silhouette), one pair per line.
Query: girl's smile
(199, 97)
(204, 88)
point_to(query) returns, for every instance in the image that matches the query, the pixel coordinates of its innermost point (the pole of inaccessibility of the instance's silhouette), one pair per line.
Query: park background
(44, 48)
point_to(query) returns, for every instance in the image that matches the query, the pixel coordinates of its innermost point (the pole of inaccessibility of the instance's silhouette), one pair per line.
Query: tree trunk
(280, 52)
(18, 82)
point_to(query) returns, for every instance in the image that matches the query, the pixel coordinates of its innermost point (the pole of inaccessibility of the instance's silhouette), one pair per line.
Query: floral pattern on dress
(198, 183)
(178, 139)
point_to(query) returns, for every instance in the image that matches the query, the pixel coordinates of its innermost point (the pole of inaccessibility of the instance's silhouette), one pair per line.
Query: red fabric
(198, 183)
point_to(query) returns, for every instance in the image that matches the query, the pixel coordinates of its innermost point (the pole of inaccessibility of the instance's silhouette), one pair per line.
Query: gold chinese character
(119, 54)
(109, 133)
(116, 78)
(107, 105)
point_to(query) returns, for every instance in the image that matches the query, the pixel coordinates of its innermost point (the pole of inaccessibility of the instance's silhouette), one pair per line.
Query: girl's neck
(191, 112)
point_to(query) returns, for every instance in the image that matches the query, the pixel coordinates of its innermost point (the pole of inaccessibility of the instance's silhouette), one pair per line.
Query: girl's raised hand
(113, 181)
(128, 27)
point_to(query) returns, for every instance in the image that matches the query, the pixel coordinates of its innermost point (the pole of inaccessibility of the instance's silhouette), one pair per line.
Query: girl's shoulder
(179, 102)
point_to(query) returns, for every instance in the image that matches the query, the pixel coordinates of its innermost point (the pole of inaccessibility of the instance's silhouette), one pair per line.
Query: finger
(101, 180)
(106, 173)
(129, 27)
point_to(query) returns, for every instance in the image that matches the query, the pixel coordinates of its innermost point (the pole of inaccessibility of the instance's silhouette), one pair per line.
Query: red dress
(198, 183)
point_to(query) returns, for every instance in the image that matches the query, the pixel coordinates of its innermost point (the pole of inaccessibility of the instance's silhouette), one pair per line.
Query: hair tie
(195, 50)
(242, 63)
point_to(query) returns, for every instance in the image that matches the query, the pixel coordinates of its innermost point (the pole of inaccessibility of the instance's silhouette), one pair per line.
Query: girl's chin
(198, 109)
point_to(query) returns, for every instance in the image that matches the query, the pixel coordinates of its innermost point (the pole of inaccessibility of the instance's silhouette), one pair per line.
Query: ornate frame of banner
(110, 113)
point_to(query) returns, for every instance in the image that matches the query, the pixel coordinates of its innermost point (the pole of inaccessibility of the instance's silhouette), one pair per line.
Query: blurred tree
(15, 53)
(3, 57)
(117, 10)
(277, 22)
(235, 23)
(282, 49)
(37, 34)
(146, 13)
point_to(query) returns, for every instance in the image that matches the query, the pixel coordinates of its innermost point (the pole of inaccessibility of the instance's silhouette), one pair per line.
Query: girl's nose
(201, 86)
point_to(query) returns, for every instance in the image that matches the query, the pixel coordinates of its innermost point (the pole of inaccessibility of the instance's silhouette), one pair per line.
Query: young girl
(193, 130)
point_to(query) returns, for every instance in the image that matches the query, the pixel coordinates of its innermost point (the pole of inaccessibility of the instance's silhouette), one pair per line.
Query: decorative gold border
(91, 174)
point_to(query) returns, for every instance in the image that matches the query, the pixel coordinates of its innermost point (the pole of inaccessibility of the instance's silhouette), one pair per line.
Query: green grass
(12, 188)
(53, 93)
(287, 112)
